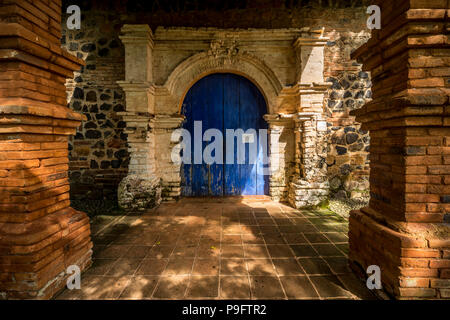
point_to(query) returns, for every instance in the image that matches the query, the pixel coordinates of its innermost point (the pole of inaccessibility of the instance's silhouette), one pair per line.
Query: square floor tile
(274, 238)
(260, 267)
(303, 250)
(266, 287)
(152, 267)
(316, 238)
(327, 250)
(185, 251)
(280, 251)
(233, 267)
(232, 251)
(283, 221)
(208, 251)
(343, 247)
(139, 252)
(231, 239)
(298, 287)
(336, 237)
(232, 229)
(316, 266)
(112, 252)
(294, 238)
(124, 267)
(248, 222)
(287, 267)
(168, 239)
(203, 287)
(206, 267)
(103, 287)
(256, 251)
(232, 287)
(330, 287)
(189, 240)
(269, 229)
(356, 286)
(253, 239)
(171, 287)
(100, 267)
(265, 222)
(251, 230)
(140, 287)
(339, 265)
(147, 239)
(178, 266)
(159, 252)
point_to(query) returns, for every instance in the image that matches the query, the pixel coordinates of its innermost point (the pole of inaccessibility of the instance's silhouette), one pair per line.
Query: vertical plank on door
(213, 117)
(248, 119)
(231, 121)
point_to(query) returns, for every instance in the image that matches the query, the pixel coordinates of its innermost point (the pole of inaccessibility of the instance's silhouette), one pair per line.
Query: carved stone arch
(187, 73)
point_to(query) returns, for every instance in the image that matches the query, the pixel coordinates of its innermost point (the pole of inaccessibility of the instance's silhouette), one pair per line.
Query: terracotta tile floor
(226, 248)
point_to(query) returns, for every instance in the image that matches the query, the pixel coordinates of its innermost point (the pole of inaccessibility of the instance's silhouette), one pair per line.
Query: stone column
(162, 127)
(281, 154)
(40, 234)
(140, 189)
(309, 184)
(403, 230)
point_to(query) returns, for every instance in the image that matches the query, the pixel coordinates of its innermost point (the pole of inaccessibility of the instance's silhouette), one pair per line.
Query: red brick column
(40, 235)
(402, 230)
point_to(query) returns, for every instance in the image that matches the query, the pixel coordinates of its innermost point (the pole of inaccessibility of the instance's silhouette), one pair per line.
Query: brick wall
(98, 153)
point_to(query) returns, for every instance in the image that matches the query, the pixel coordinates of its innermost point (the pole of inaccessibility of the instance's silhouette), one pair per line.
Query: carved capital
(166, 121)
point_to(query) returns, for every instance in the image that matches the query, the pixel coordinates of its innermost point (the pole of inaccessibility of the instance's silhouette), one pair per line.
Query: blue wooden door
(235, 107)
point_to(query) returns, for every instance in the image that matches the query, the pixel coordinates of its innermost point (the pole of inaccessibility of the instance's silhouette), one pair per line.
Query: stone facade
(40, 234)
(403, 230)
(346, 161)
(287, 65)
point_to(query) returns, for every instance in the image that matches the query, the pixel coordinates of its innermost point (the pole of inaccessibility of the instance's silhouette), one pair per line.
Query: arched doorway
(224, 116)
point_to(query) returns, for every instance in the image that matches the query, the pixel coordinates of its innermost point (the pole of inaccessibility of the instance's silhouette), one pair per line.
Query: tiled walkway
(221, 249)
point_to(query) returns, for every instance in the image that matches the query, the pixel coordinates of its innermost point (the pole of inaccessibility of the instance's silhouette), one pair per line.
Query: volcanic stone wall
(98, 153)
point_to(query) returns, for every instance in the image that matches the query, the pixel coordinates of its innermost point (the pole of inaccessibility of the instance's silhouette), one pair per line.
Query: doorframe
(224, 141)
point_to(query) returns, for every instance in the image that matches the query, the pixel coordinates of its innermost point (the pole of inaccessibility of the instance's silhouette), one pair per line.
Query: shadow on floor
(221, 248)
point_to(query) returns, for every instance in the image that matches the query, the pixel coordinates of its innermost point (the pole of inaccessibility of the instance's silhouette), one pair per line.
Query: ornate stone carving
(227, 48)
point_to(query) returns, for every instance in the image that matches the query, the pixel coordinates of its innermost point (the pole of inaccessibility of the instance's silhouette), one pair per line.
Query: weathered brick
(440, 283)
(414, 282)
(417, 292)
(440, 263)
(420, 253)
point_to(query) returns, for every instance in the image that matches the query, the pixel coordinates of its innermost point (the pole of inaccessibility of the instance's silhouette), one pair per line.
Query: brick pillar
(402, 231)
(40, 234)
